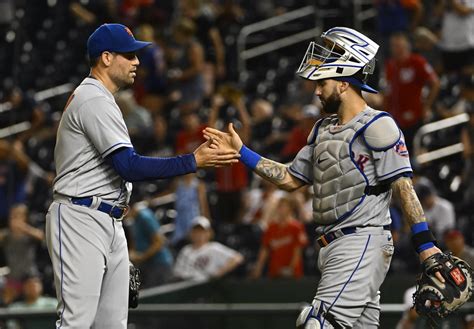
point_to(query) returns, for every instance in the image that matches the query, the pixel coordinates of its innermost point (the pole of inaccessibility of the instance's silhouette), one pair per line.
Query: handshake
(220, 149)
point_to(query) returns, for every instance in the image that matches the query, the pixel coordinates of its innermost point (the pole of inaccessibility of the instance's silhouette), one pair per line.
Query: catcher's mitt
(134, 286)
(436, 299)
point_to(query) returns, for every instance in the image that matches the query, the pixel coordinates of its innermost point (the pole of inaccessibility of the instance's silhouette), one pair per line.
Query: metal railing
(203, 309)
(246, 54)
(360, 14)
(422, 157)
(39, 97)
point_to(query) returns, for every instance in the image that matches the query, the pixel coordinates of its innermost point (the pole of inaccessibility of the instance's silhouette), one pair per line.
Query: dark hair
(93, 61)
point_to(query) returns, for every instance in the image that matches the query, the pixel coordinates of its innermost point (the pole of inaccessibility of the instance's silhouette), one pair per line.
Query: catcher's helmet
(342, 54)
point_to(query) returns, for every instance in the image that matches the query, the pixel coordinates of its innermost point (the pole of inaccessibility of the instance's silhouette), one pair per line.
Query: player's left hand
(427, 253)
(223, 140)
(208, 154)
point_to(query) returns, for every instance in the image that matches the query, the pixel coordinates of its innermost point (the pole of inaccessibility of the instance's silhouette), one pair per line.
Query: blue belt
(327, 238)
(110, 209)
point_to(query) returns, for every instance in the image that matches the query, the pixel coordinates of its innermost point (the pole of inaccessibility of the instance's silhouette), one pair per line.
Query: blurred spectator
(299, 134)
(190, 136)
(191, 201)
(457, 35)
(33, 299)
(137, 118)
(19, 243)
(204, 259)
(282, 244)
(13, 169)
(94, 12)
(464, 101)
(262, 114)
(209, 36)
(439, 212)
(186, 66)
(152, 85)
(231, 17)
(260, 203)
(406, 74)
(233, 180)
(23, 108)
(161, 143)
(426, 44)
(148, 250)
(454, 241)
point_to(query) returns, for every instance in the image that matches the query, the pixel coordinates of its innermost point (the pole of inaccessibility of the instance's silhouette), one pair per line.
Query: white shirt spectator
(457, 32)
(204, 262)
(441, 217)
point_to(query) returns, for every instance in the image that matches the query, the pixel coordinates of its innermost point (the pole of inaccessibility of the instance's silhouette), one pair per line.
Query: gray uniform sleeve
(103, 124)
(303, 165)
(392, 162)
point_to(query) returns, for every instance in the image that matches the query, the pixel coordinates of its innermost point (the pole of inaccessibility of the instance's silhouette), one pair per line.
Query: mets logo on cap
(128, 31)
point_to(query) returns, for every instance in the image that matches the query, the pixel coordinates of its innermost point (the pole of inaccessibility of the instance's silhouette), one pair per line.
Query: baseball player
(355, 159)
(96, 163)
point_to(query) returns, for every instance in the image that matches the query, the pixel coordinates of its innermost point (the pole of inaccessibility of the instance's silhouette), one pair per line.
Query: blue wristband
(425, 246)
(419, 227)
(249, 157)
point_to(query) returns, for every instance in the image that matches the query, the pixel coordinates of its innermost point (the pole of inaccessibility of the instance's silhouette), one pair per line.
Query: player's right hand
(207, 156)
(224, 140)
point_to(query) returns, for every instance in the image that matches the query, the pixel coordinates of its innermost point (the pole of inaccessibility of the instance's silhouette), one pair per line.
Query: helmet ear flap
(368, 69)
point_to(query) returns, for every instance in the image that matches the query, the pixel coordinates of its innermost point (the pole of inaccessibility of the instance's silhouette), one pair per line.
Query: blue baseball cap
(113, 37)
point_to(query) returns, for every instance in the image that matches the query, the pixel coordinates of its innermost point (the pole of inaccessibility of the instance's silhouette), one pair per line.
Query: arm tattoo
(411, 206)
(272, 171)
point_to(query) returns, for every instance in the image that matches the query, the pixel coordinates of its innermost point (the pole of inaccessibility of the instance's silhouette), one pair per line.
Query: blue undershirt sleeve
(133, 167)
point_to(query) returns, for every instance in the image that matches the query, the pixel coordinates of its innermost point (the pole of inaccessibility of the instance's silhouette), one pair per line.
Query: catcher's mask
(342, 54)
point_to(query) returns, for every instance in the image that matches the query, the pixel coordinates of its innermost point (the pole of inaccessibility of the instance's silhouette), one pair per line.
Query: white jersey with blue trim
(340, 165)
(91, 128)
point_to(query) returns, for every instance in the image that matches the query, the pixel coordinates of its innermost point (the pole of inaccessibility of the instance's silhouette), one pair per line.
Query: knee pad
(310, 317)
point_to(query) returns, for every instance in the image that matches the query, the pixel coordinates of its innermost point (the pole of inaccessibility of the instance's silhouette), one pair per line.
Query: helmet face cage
(320, 52)
(342, 54)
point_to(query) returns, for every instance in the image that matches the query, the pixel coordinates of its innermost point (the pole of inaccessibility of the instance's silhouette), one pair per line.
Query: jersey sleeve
(392, 162)
(302, 165)
(103, 124)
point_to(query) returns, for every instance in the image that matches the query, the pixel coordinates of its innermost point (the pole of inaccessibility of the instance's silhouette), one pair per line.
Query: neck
(350, 108)
(104, 79)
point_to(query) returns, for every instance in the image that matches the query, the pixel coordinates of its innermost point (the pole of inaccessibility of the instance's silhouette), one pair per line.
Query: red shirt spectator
(191, 136)
(282, 244)
(282, 240)
(232, 178)
(406, 75)
(405, 81)
(299, 134)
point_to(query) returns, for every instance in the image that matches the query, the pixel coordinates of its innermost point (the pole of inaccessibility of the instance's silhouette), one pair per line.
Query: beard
(332, 103)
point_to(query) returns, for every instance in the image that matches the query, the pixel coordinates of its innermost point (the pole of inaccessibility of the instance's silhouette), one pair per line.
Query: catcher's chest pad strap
(421, 238)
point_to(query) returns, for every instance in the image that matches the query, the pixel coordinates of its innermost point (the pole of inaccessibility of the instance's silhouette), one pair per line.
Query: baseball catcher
(437, 299)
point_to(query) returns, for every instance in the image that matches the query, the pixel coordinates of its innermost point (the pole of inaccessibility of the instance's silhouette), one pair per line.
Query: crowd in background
(227, 221)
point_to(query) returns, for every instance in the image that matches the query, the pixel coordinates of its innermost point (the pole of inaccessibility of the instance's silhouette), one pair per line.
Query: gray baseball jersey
(88, 248)
(343, 169)
(91, 128)
(340, 165)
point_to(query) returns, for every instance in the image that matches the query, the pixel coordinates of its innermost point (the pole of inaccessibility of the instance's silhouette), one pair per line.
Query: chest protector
(340, 186)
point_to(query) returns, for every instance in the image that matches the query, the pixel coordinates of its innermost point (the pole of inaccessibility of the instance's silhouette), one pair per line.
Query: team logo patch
(401, 148)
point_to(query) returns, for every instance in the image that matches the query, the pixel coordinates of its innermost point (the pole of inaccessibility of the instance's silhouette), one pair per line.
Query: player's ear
(107, 58)
(342, 86)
